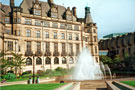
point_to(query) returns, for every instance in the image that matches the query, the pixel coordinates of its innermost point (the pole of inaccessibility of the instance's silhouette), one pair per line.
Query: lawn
(32, 87)
(131, 83)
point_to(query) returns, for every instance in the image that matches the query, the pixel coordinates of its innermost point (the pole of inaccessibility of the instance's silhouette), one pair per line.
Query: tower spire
(88, 18)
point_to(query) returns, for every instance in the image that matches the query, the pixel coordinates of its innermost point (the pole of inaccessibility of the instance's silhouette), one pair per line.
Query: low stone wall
(110, 86)
(70, 86)
(76, 86)
(123, 86)
(115, 85)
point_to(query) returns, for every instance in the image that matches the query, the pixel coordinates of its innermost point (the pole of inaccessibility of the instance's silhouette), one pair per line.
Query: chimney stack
(74, 11)
(12, 4)
(50, 2)
(36, 1)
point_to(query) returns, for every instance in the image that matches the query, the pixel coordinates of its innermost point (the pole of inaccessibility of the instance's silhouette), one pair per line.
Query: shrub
(49, 71)
(40, 73)
(26, 72)
(10, 76)
(27, 75)
(59, 69)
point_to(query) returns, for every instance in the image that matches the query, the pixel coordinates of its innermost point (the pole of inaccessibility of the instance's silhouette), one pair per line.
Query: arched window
(28, 61)
(56, 60)
(71, 60)
(38, 61)
(48, 60)
(64, 61)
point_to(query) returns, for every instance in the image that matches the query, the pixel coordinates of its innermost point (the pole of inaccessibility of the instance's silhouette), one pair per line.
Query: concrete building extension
(120, 45)
(48, 34)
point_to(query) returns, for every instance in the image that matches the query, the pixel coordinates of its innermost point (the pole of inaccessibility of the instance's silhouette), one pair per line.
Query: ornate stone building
(120, 45)
(48, 34)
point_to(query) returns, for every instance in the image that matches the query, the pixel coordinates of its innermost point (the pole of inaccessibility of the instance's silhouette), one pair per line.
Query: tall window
(77, 48)
(77, 37)
(37, 12)
(47, 46)
(94, 30)
(28, 46)
(38, 34)
(48, 60)
(38, 61)
(56, 60)
(71, 60)
(28, 21)
(28, 33)
(62, 26)
(37, 23)
(10, 45)
(76, 27)
(8, 31)
(95, 49)
(46, 34)
(64, 61)
(69, 27)
(63, 47)
(55, 47)
(28, 61)
(38, 46)
(46, 24)
(18, 32)
(70, 47)
(70, 36)
(95, 38)
(7, 20)
(63, 35)
(55, 25)
(17, 20)
(55, 35)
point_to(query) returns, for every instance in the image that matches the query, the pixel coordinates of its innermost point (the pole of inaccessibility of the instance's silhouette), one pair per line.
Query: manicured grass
(32, 87)
(131, 83)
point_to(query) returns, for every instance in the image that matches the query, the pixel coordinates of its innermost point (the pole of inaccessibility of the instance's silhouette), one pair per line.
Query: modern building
(47, 35)
(120, 45)
(113, 35)
(103, 52)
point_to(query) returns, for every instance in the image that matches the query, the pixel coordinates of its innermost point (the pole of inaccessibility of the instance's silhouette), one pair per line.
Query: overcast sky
(111, 16)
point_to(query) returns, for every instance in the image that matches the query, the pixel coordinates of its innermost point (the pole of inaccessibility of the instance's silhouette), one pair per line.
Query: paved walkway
(99, 84)
(25, 82)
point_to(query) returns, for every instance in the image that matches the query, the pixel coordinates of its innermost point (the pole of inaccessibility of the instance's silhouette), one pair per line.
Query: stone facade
(120, 45)
(48, 34)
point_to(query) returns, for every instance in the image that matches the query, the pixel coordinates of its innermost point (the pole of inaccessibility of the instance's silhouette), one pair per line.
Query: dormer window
(54, 15)
(37, 12)
(36, 8)
(54, 11)
(69, 16)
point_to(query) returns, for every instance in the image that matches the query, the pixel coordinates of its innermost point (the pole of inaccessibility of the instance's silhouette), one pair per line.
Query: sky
(111, 16)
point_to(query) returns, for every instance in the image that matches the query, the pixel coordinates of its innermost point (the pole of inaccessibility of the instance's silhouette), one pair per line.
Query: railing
(38, 53)
(47, 53)
(28, 53)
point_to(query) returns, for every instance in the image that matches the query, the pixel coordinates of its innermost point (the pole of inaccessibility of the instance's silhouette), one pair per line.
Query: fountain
(87, 68)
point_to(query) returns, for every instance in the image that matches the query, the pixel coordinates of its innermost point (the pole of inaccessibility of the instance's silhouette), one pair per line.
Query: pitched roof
(27, 5)
(7, 9)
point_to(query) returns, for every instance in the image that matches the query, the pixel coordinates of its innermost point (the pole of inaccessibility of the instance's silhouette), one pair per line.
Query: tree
(18, 62)
(117, 59)
(105, 59)
(3, 63)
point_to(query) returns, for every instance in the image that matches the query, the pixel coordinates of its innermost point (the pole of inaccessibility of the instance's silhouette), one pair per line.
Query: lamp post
(33, 68)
